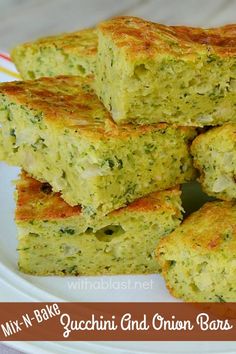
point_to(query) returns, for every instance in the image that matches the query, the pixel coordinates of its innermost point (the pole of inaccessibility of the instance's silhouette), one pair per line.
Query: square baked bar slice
(149, 73)
(214, 155)
(55, 238)
(57, 130)
(198, 258)
(65, 54)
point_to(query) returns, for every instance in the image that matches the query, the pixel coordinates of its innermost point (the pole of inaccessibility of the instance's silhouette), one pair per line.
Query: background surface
(24, 20)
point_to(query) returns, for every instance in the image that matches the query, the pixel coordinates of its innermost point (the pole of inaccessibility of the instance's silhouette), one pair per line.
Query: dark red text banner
(117, 321)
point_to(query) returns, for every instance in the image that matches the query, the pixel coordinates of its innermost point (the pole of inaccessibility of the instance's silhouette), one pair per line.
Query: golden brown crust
(147, 38)
(66, 100)
(36, 201)
(207, 229)
(82, 42)
(70, 102)
(197, 259)
(228, 130)
(154, 201)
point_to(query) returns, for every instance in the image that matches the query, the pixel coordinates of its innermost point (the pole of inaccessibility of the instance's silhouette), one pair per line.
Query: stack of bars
(105, 130)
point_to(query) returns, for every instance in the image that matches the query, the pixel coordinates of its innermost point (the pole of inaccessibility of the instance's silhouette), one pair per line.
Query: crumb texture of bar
(56, 239)
(58, 131)
(214, 155)
(198, 259)
(149, 73)
(66, 54)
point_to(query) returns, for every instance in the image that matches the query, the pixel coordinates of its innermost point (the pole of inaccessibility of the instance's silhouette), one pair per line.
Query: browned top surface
(207, 230)
(36, 201)
(70, 102)
(140, 37)
(82, 43)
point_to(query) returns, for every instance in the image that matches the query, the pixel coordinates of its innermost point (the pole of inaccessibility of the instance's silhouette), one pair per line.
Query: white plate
(16, 286)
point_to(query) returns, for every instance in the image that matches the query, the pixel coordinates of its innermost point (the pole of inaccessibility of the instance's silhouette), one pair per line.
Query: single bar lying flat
(55, 238)
(57, 130)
